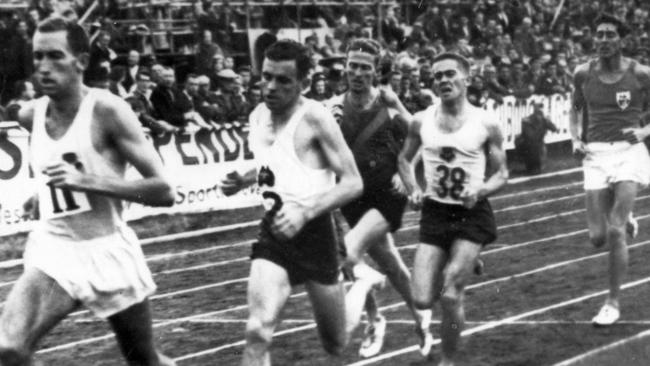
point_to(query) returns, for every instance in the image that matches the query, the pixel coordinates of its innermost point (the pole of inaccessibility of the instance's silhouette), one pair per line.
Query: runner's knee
(450, 298)
(258, 331)
(13, 351)
(615, 234)
(598, 240)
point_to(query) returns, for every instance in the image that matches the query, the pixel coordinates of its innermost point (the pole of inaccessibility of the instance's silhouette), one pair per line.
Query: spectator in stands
(115, 79)
(24, 92)
(529, 145)
(550, 82)
(170, 103)
(132, 69)
(495, 90)
(263, 41)
(217, 67)
(253, 97)
(318, 90)
(244, 72)
(204, 52)
(232, 104)
(200, 102)
(477, 92)
(228, 62)
(100, 53)
(521, 88)
(16, 58)
(395, 82)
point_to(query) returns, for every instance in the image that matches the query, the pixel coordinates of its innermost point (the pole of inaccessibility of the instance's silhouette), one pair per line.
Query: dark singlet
(377, 158)
(612, 107)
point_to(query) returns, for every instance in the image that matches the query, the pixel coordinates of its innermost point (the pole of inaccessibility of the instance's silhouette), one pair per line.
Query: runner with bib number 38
(459, 142)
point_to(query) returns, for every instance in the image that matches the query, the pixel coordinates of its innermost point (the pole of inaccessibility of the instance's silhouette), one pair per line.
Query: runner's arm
(577, 106)
(340, 160)
(496, 156)
(411, 147)
(123, 130)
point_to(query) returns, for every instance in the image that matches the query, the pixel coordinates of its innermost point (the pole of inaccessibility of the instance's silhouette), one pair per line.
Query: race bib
(57, 202)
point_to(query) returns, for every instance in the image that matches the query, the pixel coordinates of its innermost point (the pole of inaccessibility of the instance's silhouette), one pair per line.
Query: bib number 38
(450, 182)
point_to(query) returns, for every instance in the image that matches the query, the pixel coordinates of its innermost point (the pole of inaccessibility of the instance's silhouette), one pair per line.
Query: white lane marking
(603, 349)
(498, 323)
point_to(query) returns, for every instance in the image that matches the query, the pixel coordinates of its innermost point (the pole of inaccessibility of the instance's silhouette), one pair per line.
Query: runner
(300, 153)
(374, 123)
(81, 252)
(458, 142)
(611, 90)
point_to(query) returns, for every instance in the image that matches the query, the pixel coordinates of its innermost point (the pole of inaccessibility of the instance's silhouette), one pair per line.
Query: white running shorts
(107, 274)
(607, 163)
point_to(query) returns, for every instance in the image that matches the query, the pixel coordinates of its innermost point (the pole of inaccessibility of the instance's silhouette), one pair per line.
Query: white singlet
(67, 214)
(292, 180)
(81, 240)
(453, 160)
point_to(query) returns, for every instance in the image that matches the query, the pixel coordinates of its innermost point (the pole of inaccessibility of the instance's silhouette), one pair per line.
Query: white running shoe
(632, 226)
(425, 340)
(373, 338)
(607, 315)
(363, 272)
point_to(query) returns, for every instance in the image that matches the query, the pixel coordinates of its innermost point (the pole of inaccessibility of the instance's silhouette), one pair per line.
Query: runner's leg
(35, 305)
(268, 291)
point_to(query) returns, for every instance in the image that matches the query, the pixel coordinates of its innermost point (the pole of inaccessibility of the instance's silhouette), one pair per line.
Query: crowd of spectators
(517, 47)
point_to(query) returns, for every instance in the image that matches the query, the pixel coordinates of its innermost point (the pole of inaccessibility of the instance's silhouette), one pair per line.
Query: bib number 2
(451, 182)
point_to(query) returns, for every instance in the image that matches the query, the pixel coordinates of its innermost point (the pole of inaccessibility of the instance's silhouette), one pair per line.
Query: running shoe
(363, 272)
(608, 315)
(373, 338)
(632, 226)
(479, 267)
(425, 339)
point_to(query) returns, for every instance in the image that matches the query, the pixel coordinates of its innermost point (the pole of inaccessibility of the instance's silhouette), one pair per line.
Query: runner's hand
(634, 135)
(30, 209)
(66, 175)
(579, 149)
(415, 199)
(232, 183)
(388, 97)
(288, 221)
(470, 197)
(398, 185)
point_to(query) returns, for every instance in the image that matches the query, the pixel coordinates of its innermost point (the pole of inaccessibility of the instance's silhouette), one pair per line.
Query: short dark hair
(366, 45)
(75, 34)
(621, 28)
(290, 50)
(462, 61)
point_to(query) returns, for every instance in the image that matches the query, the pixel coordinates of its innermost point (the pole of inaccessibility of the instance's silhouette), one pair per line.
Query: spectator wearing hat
(100, 54)
(318, 90)
(334, 67)
(529, 145)
(231, 103)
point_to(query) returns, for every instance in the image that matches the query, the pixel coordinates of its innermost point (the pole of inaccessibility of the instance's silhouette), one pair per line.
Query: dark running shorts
(442, 223)
(312, 255)
(387, 201)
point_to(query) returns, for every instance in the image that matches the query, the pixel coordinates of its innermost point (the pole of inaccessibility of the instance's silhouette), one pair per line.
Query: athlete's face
(450, 81)
(280, 84)
(56, 67)
(360, 71)
(607, 40)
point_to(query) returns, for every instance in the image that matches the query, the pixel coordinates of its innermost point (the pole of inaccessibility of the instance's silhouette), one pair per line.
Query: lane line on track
(498, 323)
(471, 287)
(409, 322)
(168, 256)
(197, 316)
(213, 230)
(603, 349)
